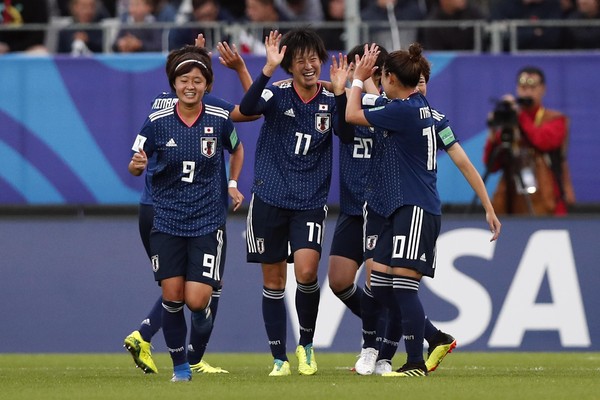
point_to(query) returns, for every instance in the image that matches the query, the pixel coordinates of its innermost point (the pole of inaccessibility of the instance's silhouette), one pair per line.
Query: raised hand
(274, 54)
(339, 73)
(230, 57)
(365, 65)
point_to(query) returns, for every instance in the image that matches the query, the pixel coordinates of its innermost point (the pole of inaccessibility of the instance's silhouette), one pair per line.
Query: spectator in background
(85, 40)
(301, 10)
(137, 37)
(567, 8)
(403, 10)
(451, 38)
(528, 143)
(165, 10)
(19, 12)
(261, 12)
(585, 37)
(334, 38)
(203, 11)
(531, 38)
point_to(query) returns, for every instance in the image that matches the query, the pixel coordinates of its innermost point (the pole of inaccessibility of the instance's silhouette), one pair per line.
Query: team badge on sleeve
(139, 143)
(209, 146)
(322, 122)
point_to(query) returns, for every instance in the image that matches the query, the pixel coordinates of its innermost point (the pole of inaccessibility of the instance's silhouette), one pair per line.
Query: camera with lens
(504, 116)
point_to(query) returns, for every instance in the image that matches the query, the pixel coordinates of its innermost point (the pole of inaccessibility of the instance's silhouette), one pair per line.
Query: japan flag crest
(209, 146)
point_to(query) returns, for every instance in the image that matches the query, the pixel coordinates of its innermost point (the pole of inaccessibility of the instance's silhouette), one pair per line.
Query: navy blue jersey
(405, 170)
(356, 167)
(168, 100)
(189, 183)
(294, 149)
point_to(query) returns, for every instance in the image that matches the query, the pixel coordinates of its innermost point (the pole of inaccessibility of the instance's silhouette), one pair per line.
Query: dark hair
(188, 52)
(532, 71)
(360, 49)
(301, 41)
(407, 65)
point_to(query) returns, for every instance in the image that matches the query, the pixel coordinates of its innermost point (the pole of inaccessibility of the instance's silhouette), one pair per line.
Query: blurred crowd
(81, 27)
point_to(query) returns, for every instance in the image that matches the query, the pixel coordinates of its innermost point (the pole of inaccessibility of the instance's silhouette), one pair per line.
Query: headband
(189, 61)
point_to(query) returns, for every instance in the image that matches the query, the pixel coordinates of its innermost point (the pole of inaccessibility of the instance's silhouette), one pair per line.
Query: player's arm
(251, 104)
(236, 161)
(462, 161)
(339, 74)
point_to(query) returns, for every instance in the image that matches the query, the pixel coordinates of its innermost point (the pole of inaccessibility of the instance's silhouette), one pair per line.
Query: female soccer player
(407, 196)
(138, 342)
(291, 183)
(189, 188)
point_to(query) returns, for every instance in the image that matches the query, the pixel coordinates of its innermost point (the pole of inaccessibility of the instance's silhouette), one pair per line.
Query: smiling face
(190, 87)
(306, 69)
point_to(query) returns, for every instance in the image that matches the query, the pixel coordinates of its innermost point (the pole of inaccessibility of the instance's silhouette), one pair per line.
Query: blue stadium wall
(80, 284)
(74, 284)
(67, 124)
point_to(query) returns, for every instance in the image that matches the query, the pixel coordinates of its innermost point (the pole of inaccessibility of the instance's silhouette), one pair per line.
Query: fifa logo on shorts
(154, 260)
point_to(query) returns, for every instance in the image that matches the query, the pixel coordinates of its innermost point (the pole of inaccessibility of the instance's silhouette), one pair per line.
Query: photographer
(529, 144)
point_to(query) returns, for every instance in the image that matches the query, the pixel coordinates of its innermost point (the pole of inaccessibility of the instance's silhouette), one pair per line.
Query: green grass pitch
(462, 375)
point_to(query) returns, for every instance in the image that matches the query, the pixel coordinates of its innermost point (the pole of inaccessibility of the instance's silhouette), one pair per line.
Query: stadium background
(73, 281)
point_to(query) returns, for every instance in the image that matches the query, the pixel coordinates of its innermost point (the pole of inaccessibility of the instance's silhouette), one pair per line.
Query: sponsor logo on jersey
(423, 258)
(323, 122)
(171, 143)
(209, 146)
(290, 113)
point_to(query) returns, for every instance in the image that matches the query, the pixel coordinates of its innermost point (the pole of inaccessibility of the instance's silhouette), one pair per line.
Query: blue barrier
(82, 284)
(67, 124)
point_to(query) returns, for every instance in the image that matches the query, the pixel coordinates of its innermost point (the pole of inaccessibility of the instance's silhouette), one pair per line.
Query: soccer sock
(430, 331)
(378, 316)
(153, 321)
(308, 296)
(351, 298)
(391, 339)
(275, 318)
(370, 316)
(406, 293)
(202, 325)
(174, 330)
(199, 340)
(214, 303)
(389, 323)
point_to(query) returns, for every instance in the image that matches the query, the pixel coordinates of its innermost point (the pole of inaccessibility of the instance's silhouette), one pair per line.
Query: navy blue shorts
(198, 259)
(348, 238)
(269, 229)
(373, 228)
(408, 240)
(145, 221)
